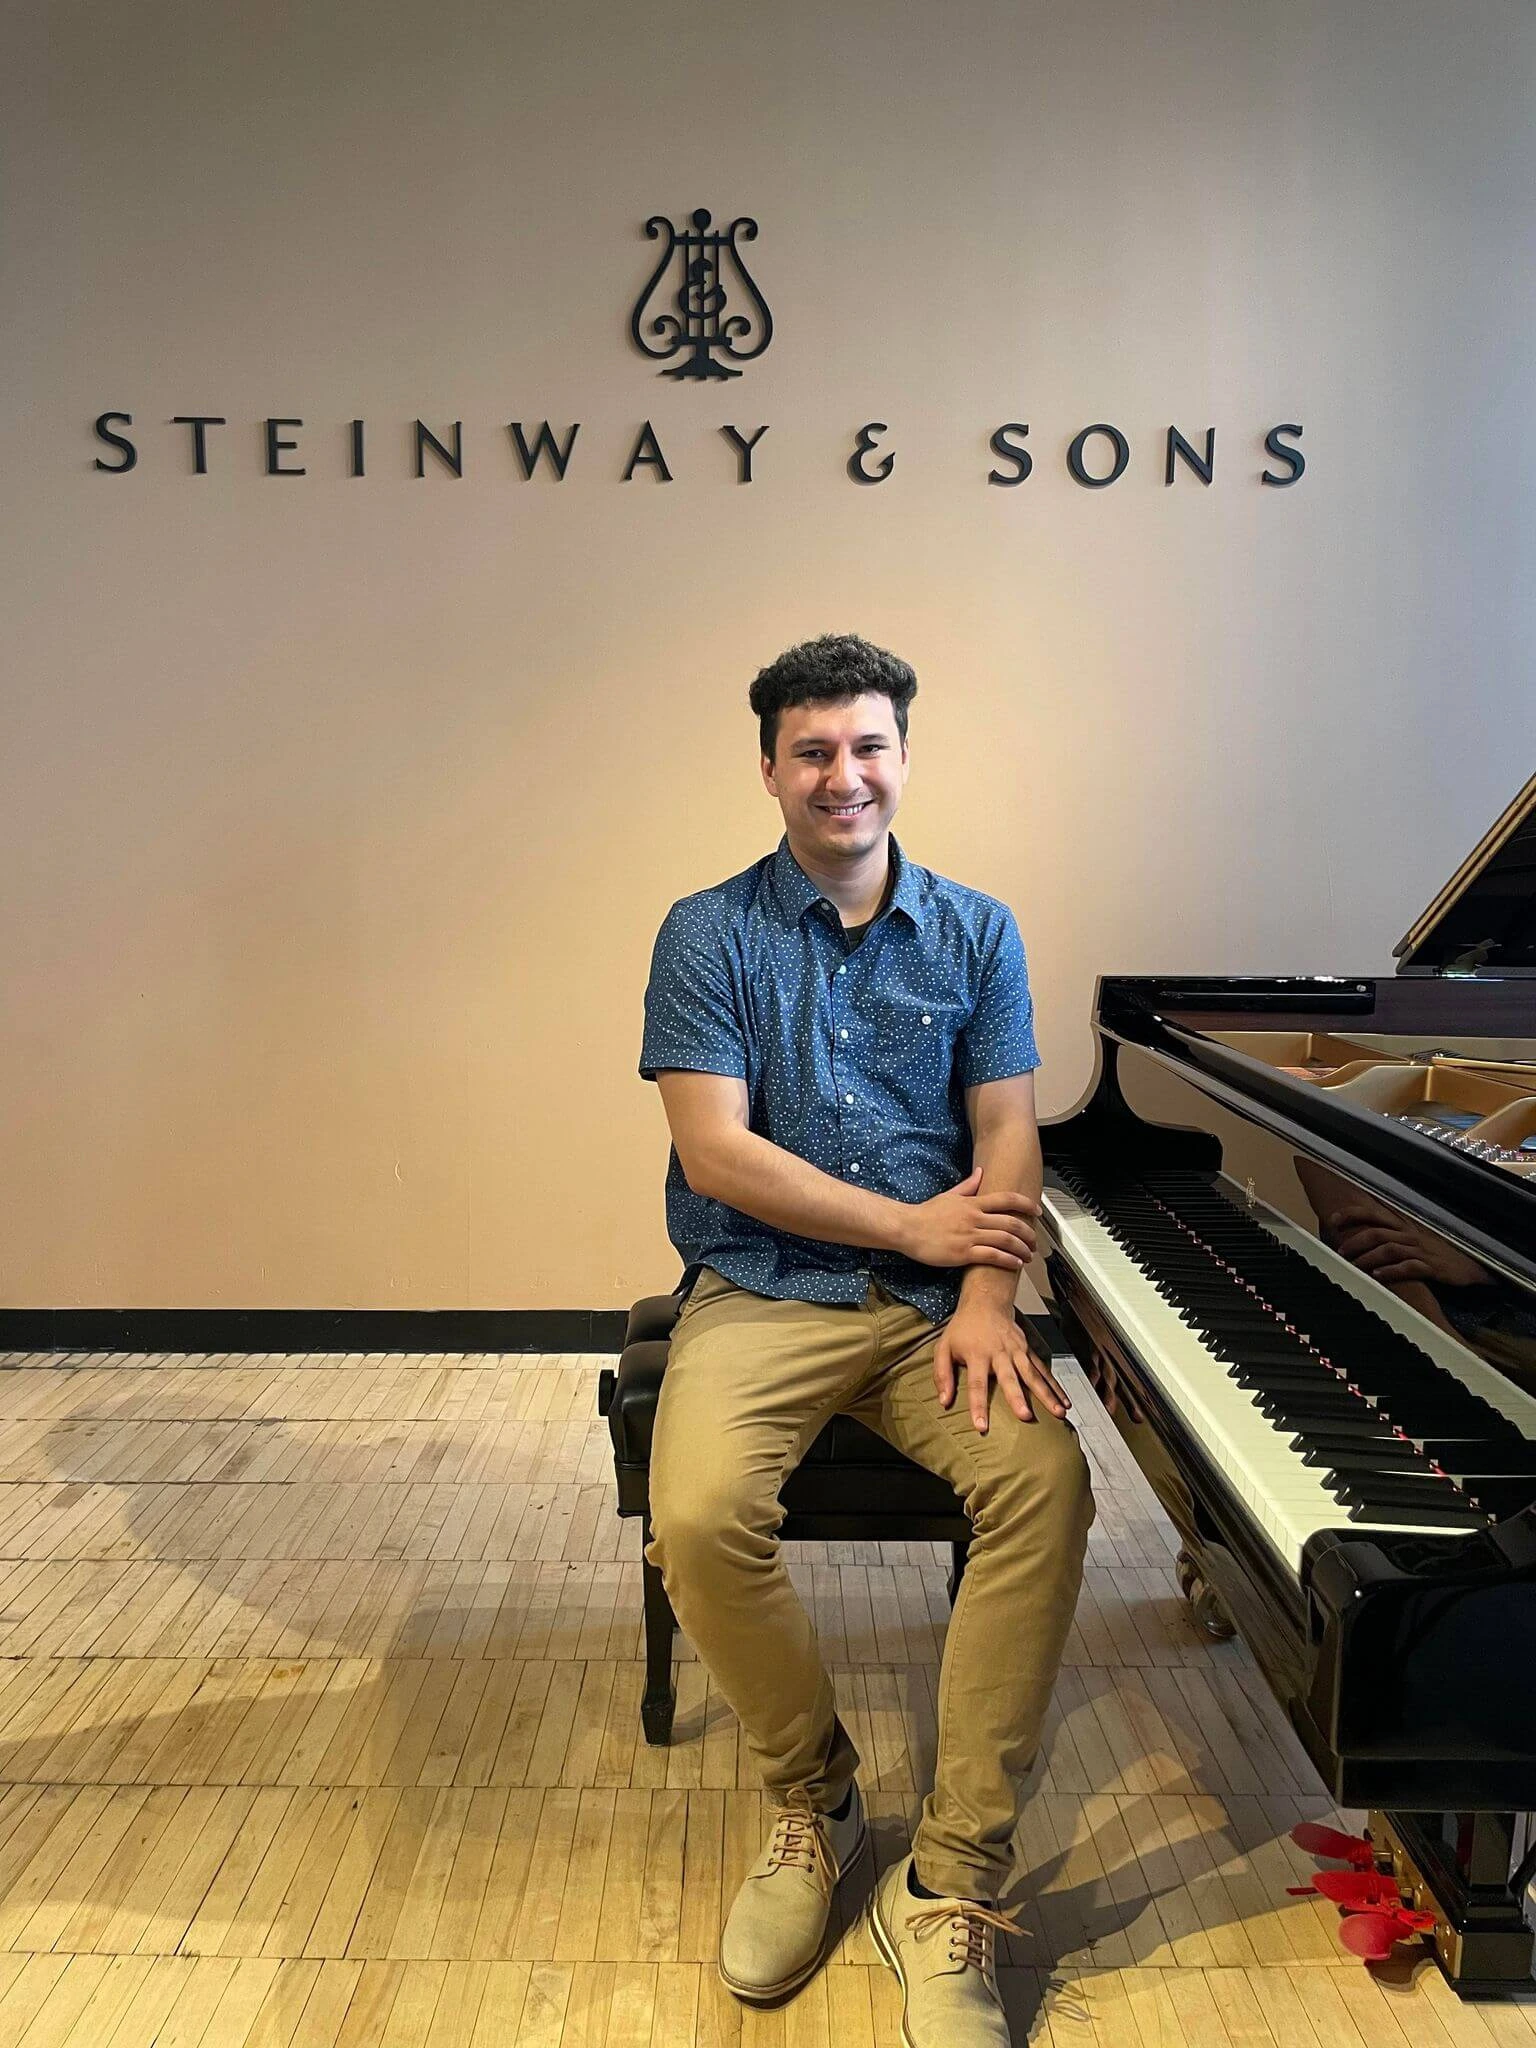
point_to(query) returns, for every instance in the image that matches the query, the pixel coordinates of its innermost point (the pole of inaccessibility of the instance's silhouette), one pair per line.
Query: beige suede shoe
(941, 1949)
(776, 1931)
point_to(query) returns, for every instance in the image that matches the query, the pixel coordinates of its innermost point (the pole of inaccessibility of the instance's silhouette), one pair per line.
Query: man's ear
(768, 780)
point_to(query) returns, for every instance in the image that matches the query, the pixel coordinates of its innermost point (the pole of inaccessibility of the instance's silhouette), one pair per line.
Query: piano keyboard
(1321, 1413)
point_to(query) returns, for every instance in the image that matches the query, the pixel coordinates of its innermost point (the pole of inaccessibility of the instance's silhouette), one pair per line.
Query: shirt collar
(797, 893)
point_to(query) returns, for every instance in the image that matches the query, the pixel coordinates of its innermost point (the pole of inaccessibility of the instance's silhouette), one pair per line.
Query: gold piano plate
(1308, 1055)
(1399, 1090)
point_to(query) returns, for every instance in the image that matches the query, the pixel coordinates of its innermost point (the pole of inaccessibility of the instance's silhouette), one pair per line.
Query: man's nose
(843, 775)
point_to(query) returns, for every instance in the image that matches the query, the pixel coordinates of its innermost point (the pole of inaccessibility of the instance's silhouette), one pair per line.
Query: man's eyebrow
(819, 739)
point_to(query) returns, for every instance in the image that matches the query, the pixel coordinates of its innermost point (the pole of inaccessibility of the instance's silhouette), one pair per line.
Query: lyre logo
(696, 331)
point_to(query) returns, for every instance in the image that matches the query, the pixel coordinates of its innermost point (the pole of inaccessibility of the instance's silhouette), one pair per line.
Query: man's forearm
(1008, 1153)
(761, 1179)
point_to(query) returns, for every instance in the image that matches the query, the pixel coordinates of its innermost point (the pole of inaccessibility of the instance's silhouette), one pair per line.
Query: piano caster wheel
(1205, 1608)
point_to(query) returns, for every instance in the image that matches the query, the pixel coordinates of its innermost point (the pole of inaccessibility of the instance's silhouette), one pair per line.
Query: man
(845, 1051)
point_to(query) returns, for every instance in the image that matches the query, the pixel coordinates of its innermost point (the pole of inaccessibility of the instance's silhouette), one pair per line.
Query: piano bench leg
(660, 1700)
(1205, 1608)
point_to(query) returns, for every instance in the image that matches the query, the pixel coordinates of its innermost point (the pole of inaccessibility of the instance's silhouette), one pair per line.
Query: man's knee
(702, 1513)
(1047, 1481)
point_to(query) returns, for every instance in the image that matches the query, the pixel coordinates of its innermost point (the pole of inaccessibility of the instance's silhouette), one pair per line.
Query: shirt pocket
(915, 1042)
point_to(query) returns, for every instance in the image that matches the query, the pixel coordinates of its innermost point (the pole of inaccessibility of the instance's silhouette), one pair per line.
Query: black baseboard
(310, 1329)
(199, 1330)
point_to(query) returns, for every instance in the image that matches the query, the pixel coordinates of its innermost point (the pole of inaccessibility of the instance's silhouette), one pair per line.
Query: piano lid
(1483, 922)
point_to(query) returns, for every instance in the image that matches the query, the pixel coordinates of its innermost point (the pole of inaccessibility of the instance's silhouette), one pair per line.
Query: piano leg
(1457, 1866)
(1205, 1608)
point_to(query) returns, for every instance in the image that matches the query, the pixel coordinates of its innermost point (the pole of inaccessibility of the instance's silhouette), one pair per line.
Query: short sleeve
(999, 1039)
(692, 1019)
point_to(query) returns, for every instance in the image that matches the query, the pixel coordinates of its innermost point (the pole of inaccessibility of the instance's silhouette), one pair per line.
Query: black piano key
(1507, 1440)
(1384, 1494)
(1423, 1418)
(1302, 1418)
(1388, 1453)
(1368, 1454)
(1421, 1518)
(1497, 1493)
(1237, 1328)
(1491, 1460)
(1278, 1385)
(1364, 1427)
(1288, 1374)
(1265, 1352)
(1314, 1406)
(1290, 1424)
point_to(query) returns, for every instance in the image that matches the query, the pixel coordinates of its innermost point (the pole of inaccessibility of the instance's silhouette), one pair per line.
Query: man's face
(838, 772)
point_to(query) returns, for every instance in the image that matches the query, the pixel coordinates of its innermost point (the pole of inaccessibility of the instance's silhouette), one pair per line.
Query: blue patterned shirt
(856, 1057)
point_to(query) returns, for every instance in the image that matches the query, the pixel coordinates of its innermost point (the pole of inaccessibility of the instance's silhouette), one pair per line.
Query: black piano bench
(850, 1487)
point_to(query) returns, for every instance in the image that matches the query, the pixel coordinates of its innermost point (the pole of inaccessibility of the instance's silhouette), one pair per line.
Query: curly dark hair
(832, 670)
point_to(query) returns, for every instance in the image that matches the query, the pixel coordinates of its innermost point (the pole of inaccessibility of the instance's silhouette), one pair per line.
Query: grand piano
(1291, 1235)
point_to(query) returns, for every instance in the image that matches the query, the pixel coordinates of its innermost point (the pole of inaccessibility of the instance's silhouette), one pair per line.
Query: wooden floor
(319, 1690)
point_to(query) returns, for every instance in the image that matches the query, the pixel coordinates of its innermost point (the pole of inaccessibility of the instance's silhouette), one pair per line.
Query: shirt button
(926, 1018)
(847, 1098)
(842, 970)
(855, 1167)
(842, 1034)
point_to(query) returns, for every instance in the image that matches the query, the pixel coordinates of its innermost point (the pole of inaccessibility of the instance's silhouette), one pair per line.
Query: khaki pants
(749, 1383)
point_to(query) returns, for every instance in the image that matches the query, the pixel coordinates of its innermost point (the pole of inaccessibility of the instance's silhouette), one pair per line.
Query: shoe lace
(971, 1927)
(800, 1838)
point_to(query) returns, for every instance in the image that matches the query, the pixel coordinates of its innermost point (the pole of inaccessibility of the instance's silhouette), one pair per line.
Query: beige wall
(338, 815)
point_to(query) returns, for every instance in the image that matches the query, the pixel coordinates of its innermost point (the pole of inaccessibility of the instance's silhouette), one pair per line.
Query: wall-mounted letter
(275, 447)
(199, 422)
(545, 444)
(1002, 444)
(648, 451)
(865, 446)
(1292, 457)
(105, 433)
(1075, 456)
(1177, 445)
(744, 449)
(426, 439)
(357, 447)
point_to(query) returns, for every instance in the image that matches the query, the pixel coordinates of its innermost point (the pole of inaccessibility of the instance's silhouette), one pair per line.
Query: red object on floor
(1373, 1936)
(1357, 1889)
(1375, 1918)
(1318, 1840)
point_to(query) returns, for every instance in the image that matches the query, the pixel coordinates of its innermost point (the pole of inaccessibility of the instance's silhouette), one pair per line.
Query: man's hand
(964, 1228)
(1393, 1250)
(989, 1344)
(1380, 1240)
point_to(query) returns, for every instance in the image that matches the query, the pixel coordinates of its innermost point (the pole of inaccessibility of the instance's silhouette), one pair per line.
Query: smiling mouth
(844, 810)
